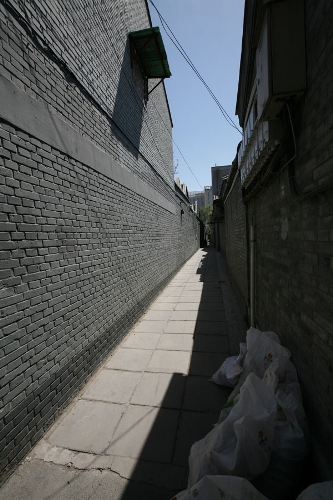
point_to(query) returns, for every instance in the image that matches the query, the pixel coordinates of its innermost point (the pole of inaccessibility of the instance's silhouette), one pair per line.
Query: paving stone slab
(181, 327)
(138, 340)
(202, 395)
(192, 427)
(146, 326)
(145, 432)
(192, 287)
(162, 306)
(206, 363)
(210, 328)
(212, 298)
(183, 316)
(169, 362)
(209, 316)
(211, 343)
(88, 426)
(153, 315)
(191, 295)
(130, 359)
(176, 342)
(57, 455)
(186, 298)
(160, 390)
(165, 300)
(162, 475)
(114, 386)
(188, 306)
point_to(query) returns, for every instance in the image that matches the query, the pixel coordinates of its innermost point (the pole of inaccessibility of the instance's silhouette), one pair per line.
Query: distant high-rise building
(217, 175)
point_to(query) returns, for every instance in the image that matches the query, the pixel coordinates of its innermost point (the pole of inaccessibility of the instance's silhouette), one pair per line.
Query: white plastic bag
(318, 491)
(262, 349)
(230, 370)
(280, 480)
(217, 487)
(241, 445)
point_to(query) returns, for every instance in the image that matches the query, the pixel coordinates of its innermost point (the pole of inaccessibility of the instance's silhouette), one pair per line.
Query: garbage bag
(217, 487)
(241, 445)
(262, 349)
(280, 374)
(231, 368)
(290, 448)
(318, 491)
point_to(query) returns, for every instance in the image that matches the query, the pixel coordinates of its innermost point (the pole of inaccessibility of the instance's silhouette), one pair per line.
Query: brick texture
(294, 241)
(81, 256)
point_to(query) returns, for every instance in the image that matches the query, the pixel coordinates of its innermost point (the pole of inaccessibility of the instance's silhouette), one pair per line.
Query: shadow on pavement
(162, 468)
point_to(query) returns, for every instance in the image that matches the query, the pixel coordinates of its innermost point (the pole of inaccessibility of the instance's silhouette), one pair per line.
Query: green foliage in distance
(205, 214)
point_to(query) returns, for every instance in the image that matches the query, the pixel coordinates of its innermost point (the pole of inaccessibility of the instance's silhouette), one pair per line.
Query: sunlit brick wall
(90, 226)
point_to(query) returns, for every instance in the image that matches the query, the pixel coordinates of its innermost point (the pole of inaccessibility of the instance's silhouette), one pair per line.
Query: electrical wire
(174, 142)
(178, 46)
(45, 48)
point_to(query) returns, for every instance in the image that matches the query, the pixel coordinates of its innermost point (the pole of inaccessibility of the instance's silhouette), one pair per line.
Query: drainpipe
(252, 273)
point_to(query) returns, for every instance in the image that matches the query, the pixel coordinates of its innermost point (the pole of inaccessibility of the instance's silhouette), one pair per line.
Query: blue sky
(210, 31)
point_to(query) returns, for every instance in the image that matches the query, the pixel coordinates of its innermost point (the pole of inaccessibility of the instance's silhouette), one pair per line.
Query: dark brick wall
(293, 219)
(236, 243)
(294, 240)
(82, 254)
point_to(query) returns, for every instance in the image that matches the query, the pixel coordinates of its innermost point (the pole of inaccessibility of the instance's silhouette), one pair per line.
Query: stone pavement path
(128, 433)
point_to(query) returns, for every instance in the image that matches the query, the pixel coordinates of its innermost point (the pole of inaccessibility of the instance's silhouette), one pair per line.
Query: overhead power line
(178, 46)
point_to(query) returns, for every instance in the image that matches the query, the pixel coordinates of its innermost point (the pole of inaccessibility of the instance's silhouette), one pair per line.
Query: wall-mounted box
(280, 57)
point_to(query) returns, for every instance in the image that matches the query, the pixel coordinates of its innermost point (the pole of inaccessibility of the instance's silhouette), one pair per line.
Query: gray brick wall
(85, 244)
(235, 247)
(294, 241)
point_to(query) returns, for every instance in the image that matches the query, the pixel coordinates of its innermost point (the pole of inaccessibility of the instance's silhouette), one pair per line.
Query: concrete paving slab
(186, 298)
(146, 326)
(152, 315)
(165, 300)
(145, 432)
(61, 456)
(138, 340)
(169, 362)
(196, 295)
(113, 386)
(37, 480)
(181, 327)
(192, 427)
(202, 395)
(160, 390)
(173, 292)
(162, 306)
(205, 363)
(187, 306)
(88, 426)
(183, 316)
(192, 287)
(209, 316)
(211, 298)
(176, 342)
(135, 360)
(211, 328)
(211, 343)
(162, 475)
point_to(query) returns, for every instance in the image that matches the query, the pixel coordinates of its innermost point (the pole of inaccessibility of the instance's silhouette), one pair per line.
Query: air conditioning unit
(280, 57)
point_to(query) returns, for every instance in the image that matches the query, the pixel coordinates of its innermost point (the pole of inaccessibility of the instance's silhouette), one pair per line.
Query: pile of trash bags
(262, 434)
(237, 488)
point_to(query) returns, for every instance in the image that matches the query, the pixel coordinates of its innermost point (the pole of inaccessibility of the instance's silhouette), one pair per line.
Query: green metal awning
(149, 48)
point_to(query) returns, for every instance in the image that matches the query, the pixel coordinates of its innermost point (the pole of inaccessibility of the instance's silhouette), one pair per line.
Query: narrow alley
(129, 431)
